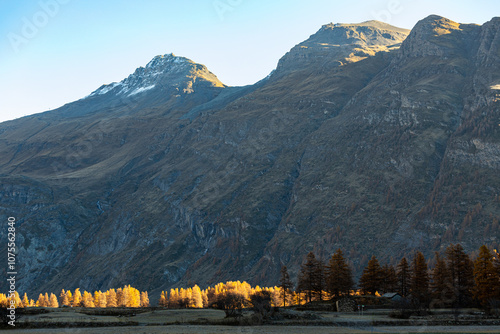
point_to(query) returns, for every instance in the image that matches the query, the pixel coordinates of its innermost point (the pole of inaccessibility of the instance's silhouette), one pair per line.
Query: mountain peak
(437, 25)
(341, 43)
(162, 71)
(438, 36)
(373, 24)
(162, 61)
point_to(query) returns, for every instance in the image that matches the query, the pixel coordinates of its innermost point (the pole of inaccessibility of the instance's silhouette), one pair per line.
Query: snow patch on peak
(141, 89)
(105, 89)
(146, 78)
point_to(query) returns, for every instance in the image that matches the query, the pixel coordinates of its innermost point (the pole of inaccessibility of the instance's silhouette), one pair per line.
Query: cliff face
(361, 139)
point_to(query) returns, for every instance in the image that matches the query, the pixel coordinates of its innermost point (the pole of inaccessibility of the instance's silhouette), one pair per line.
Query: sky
(53, 52)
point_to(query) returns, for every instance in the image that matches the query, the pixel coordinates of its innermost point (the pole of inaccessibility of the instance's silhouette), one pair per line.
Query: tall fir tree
(371, 279)
(485, 277)
(496, 265)
(461, 270)
(419, 283)
(403, 274)
(389, 279)
(440, 285)
(285, 284)
(311, 277)
(339, 280)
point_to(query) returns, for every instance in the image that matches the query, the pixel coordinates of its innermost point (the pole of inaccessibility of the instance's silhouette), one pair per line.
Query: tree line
(196, 298)
(121, 297)
(454, 281)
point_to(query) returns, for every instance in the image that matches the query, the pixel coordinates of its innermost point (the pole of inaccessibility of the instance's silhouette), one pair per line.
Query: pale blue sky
(56, 51)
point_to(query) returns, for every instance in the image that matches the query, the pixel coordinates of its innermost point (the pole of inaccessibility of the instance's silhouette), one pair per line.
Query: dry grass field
(207, 321)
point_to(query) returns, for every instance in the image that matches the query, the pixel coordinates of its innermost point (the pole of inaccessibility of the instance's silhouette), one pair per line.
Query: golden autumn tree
(173, 300)
(63, 298)
(17, 299)
(88, 299)
(26, 301)
(111, 300)
(100, 299)
(119, 297)
(41, 301)
(70, 297)
(135, 297)
(77, 298)
(144, 299)
(163, 300)
(197, 299)
(53, 301)
(3, 300)
(204, 296)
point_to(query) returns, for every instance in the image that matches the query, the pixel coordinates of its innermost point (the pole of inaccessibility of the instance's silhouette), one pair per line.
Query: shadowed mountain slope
(363, 138)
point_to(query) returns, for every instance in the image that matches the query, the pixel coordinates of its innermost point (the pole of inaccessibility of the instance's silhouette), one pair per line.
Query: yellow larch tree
(70, 297)
(196, 297)
(88, 299)
(97, 296)
(3, 300)
(103, 300)
(53, 301)
(135, 297)
(63, 298)
(119, 297)
(111, 300)
(173, 300)
(163, 300)
(204, 296)
(26, 301)
(77, 298)
(41, 301)
(144, 299)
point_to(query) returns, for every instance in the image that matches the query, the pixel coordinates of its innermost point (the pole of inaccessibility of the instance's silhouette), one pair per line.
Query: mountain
(366, 137)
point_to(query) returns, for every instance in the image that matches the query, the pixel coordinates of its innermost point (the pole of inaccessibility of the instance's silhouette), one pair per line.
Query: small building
(394, 296)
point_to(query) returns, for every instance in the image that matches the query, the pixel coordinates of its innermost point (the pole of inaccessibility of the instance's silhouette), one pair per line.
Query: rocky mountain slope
(366, 137)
